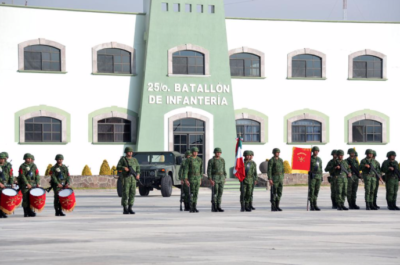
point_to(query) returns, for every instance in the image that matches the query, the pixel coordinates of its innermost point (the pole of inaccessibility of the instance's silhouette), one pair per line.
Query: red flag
(238, 170)
(301, 159)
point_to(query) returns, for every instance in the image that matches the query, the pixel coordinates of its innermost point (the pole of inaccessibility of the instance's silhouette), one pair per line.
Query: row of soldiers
(28, 178)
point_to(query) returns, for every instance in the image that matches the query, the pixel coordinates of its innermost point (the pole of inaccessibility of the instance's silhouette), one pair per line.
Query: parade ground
(97, 232)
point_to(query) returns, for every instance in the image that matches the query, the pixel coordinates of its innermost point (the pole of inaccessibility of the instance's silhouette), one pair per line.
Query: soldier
(59, 180)
(330, 168)
(378, 168)
(5, 178)
(369, 179)
(275, 177)
(217, 175)
(193, 173)
(129, 167)
(28, 178)
(314, 178)
(9, 164)
(391, 179)
(340, 180)
(255, 183)
(182, 179)
(247, 184)
(352, 186)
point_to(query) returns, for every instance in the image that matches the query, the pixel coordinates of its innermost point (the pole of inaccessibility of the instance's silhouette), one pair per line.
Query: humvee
(158, 170)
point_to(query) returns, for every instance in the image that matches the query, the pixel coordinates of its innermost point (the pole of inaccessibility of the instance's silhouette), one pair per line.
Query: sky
(358, 10)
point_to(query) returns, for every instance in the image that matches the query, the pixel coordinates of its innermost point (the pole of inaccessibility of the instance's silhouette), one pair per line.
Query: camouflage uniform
(59, 175)
(254, 185)
(330, 168)
(26, 177)
(5, 178)
(247, 184)
(392, 180)
(128, 181)
(276, 174)
(185, 187)
(369, 180)
(340, 181)
(352, 186)
(314, 180)
(216, 171)
(378, 168)
(193, 171)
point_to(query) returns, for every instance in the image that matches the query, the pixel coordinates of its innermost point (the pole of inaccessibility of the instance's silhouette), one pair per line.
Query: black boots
(355, 206)
(187, 207)
(28, 212)
(130, 210)
(251, 206)
(372, 206)
(247, 207)
(2, 214)
(344, 207)
(59, 212)
(312, 206)
(339, 207)
(219, 209)
(350, 205)
(316, 206)
(334, 204)
(273, 207)
(195, 207)
(395, 206)
(390, 206)
(242, 206)
(213, 208)
(367, 206)
(277, 207)
(375, 205)
(125, 210)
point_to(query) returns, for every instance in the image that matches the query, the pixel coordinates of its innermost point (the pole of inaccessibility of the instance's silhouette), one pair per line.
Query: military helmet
(351, 151)
(194, 149)
(251, 153)
(6, 154)
(340, 152)
(59, 156)
(33, 157)
(374, 152)
(368, 151)
(391, 153)
(128, 149)
(356, 154)
(188, 153)
(315, 148)
(3, 156)
(333, 152)
(27, 155)
(247, 153)
(217, 150)
(276, 150)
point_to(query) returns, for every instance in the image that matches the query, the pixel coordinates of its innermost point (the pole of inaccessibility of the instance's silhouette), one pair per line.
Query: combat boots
(339, 207)
(242, 207)
(367, 206)
(30, 212)
(26, 212)
(247, 207)
(195, 207)
(130, 210)
(344, 207)
(126, 210)
(375, 205)
(2, 214)
(390, 206)
(277, 207)
(355, 206)
(273, 207)
(312, 206)
(219, 209)
(334, 205)
(395, 206)
(316, 206)
(187, 207)
(251, 206)
(213, 208)
(372, 207)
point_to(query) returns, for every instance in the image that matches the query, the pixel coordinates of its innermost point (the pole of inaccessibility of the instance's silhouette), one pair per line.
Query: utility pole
(344, 9)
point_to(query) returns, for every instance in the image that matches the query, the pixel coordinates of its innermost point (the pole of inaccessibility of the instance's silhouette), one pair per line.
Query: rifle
(342, 169)
(396, 171)
(372, 168)
(181, 197)
(190, 199)
(213, 199)
(132, 172)
(354, 169)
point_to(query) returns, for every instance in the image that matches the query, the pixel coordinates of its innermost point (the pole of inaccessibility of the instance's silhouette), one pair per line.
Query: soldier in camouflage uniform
(391, 179)
(378, 168)
(10, 167)
(216, 173)
(59, 180)
(275, 177)
(255, 183)
(6, 178)
(247, 184)
(330, 168)
(352, 186)
(28, 178)
(340, 179)
(182, 179)
(369, 178)
(314, 179)
(193, 173)
(128, 180)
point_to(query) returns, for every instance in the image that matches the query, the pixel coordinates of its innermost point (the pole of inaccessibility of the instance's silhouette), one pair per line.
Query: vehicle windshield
(154, 159)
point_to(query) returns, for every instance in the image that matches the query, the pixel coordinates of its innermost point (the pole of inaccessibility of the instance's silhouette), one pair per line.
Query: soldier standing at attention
(275, 178)
(193, 174)
(5, 178)
(28, 178)
(391, 179)
(182, 179)
(330, 168)
(125, 164)
(369, 179)
(352, 186)
(9, 165)
(59, 180)
(315, 178)
(378, 169)
(255, 183)
(340, 180)
(217, 175)
(251, 173)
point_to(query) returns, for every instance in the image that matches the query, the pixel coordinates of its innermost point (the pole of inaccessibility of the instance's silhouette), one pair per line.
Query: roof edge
(309, 20)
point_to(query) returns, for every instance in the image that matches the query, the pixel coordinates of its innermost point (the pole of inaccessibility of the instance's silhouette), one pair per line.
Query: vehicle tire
(119, 187)
(144, 191)
(166, 186)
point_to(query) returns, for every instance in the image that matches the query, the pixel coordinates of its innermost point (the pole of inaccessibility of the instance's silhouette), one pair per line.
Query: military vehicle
(158, 170)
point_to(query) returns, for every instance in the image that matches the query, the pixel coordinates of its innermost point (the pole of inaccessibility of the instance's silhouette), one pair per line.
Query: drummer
(59, 180)
(5, 177)
(28, 178)
(8, 164)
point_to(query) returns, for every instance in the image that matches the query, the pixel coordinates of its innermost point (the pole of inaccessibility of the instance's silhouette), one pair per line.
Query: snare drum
(37, 199)
(67, 199)
(8, 200)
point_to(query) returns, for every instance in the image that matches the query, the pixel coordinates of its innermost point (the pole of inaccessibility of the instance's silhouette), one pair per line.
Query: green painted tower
(187, 90)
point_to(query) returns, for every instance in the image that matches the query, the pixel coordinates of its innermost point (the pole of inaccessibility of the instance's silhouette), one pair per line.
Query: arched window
(367, 66)
(306, 131)
(188, 62)
(248, 129)
(114, 130)
(43, 129)
(307, 65)
(245, 64)
(189, 133)
(113, 60)
(367, 131)
(42, 58)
